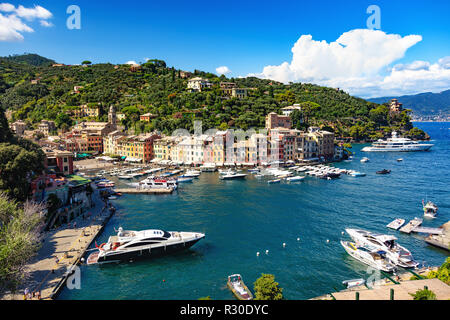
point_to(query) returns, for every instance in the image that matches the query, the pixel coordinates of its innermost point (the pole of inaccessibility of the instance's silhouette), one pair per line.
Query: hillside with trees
(33, 93)
(423, 104)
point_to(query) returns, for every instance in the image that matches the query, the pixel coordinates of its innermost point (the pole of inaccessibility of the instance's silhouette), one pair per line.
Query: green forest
(159, 89)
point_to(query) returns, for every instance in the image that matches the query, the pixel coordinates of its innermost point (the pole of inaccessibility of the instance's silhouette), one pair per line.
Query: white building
(198, 84)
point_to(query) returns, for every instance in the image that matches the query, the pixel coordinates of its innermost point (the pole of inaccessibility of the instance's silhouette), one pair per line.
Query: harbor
(245, 216)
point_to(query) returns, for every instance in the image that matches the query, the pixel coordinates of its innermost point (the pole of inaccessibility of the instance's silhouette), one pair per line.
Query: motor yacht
(135, 245)
(376, 259)
(396, 144)
(397, 254)
(232, 175)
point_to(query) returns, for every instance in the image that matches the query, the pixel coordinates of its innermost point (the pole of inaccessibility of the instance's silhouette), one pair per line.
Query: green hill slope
(160, 90)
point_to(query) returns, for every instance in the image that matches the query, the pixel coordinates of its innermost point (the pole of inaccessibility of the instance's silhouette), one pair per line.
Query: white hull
(398, 255)
(424, 147)
(367, 257)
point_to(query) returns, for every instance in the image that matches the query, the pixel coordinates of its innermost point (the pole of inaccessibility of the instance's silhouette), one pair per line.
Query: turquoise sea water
(241, 218)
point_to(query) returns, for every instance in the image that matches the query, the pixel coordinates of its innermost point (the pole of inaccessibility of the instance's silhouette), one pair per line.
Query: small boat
(238, 287)
(185, 179)
(357, 174)
(429, 210)
(330, 175)
(274, 181)
(396, 224)
(376, 259)
(295, 179)
(232, 176)
(353, 283)
(256, 170)
(112, 198)
(384, 171)
(125, 177)
(365, 159)
(400, 160)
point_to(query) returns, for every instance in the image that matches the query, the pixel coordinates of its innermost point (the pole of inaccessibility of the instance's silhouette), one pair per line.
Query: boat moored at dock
(376, 259)
(397, 254)
(135, 245)
(396, 224)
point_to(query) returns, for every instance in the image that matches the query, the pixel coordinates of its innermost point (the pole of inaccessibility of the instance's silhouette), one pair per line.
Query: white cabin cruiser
(157, 183)
(397, 254)
(429, 210)
(376, 259)
(135, 245)
(396, 144)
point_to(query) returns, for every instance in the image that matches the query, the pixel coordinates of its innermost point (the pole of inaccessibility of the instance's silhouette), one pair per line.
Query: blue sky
(244, 36)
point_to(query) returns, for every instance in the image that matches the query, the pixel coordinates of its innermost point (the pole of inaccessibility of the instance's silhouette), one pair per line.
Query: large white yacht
(376, 258)
(397, 144)
(397, 254)
(135, 245)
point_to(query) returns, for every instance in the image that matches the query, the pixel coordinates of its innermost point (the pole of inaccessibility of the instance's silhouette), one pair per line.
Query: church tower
(112, 116)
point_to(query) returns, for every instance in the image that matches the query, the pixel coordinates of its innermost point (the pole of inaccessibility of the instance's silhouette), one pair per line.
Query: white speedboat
(274, 181)
(185, 179)
(429, 210)
(232, 175)
(357, 174)
(397, 254)
(396, 144)
(365, 159)
(376, 259)
(125, 177)
(191, 174)
(135, 245)
(396, 224)
(295, 179)
(353, 283)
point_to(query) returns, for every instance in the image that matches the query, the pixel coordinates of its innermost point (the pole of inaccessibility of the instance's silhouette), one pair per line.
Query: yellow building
(162, 148)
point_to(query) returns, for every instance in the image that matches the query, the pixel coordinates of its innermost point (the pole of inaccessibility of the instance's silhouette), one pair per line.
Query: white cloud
(356, 62)
(223, 70)
(11, 27)
(131, 62)
(7, 7)
(12, 23)
(37, 12)
(45, 23)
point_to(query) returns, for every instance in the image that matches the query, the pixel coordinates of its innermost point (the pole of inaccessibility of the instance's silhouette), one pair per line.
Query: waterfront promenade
(62, 249)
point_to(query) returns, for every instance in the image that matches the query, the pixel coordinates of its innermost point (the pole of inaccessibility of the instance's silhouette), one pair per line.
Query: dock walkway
(410, 226)
(402, 291)
(428, 230)
(441, 240)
